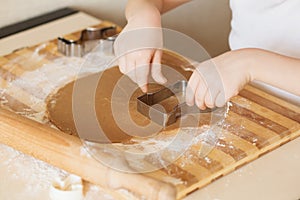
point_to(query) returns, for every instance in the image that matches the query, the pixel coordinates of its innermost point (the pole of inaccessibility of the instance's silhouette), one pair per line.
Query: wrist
(147, 17)
(248, 60)
(144, 20)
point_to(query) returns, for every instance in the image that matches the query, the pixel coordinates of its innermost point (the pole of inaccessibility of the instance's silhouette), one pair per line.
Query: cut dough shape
(59, 105)
(69, 188)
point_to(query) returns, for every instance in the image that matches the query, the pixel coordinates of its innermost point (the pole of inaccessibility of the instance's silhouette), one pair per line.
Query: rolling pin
(63, 151)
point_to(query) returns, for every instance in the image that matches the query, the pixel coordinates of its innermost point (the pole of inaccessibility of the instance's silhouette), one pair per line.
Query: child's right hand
(215, 81)
(138, 48)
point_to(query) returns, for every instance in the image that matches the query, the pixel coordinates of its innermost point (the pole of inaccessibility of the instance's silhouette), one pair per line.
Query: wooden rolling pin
(63, 151)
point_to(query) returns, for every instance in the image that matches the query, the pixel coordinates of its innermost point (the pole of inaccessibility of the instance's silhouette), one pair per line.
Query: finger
(221, 100)
(122, 64)
(142, 72)
(191, 89)
(200, 93)
(210, 97)
(130, 68)
(156, 68)
(143, 59)
(211, 79)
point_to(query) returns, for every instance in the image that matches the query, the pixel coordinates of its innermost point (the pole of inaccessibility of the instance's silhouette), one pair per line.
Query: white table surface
(274, 176)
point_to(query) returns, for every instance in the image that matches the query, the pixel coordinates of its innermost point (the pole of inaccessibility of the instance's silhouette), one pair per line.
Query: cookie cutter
(148, 105)
(89, 38)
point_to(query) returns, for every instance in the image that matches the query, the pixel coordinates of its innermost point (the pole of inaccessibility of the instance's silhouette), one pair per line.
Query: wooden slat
(161, 175)
(249, 131)
(223, 158)
(291, 114)
(176, 172)
(196, 170)
(273, 98)
(262, 103)
(271, 114)
(236, 153)
(260, 120)
(248, 125)
(238, 142)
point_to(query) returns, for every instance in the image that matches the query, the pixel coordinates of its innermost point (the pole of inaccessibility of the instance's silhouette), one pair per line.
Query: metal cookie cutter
(89, 38)
(148, 105)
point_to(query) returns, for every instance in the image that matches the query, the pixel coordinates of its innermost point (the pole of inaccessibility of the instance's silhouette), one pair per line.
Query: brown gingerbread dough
(111, 89)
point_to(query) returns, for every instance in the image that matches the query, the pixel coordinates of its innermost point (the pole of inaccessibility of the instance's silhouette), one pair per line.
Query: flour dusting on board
(158, 152)
(33, 85)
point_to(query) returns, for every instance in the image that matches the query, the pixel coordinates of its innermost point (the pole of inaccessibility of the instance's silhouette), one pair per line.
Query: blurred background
(207, 21)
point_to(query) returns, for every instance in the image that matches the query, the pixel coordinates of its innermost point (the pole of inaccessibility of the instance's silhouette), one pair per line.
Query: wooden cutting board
(257, 122)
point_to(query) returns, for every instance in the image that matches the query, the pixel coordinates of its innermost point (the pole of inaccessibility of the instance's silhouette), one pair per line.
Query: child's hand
(215, 81)
(138, 49)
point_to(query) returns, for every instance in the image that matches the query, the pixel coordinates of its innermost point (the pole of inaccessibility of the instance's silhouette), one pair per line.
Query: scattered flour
(84, 152)
(24, 177)
(172, 180)
(33, 86)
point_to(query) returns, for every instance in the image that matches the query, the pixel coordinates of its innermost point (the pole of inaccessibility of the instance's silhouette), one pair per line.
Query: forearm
(275, 69)
(150, 8)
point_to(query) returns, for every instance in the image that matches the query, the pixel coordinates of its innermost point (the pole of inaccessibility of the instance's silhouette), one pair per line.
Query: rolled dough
(59, 105)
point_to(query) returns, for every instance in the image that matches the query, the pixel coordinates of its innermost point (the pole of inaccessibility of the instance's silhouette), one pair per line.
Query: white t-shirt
(267, 24)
